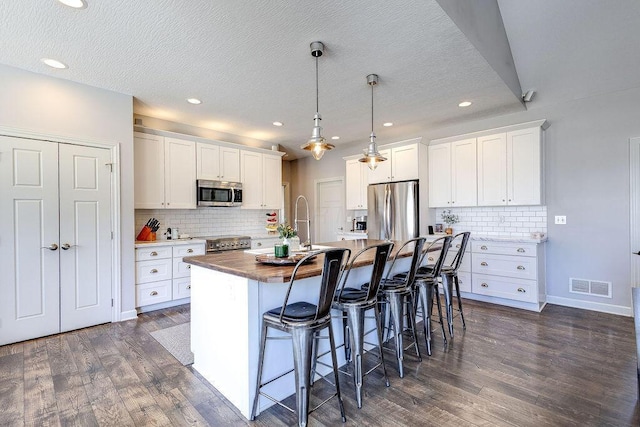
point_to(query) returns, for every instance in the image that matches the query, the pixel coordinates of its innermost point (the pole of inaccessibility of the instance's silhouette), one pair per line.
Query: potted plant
(450, 219)
(286, 232)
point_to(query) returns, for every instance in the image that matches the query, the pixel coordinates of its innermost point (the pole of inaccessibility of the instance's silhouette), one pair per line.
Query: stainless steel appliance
(219, 193)
(393, 211)
(227, 243)
(359, 223)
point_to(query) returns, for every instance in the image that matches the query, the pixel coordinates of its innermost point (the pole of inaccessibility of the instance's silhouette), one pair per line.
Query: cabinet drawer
(180, 268)
(155, 252)
(153, 271)
(153, 293)
(505, 265)
(182, 288)
(181, 251)
(464, 281)
(504, 287)
(502, 248)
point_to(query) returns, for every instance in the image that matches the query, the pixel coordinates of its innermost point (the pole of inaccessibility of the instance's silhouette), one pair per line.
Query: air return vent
(590, 287)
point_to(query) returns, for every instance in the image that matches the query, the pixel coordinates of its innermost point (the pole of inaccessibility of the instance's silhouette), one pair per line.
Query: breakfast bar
(229, 293)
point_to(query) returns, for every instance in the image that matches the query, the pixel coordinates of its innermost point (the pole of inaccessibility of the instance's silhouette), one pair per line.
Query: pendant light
(371, 154)
(317, 144)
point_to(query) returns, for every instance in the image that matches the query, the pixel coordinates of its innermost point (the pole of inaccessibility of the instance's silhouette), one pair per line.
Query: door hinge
(111, 302)
(112, 235)
(110, 166)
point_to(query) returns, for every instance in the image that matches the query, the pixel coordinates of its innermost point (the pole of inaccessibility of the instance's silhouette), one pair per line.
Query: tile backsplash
(516, 221)
(206, 221)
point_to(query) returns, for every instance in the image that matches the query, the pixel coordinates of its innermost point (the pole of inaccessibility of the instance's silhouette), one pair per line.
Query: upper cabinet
(357, 175)
(218, 162)
(261, 175)
(452, 174)
(402, 164)
(510, 168)
(164, 172)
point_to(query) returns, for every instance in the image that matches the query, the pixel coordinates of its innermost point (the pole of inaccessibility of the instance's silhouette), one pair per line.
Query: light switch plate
(561, 219)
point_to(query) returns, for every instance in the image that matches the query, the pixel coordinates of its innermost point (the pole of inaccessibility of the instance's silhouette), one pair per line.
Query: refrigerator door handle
(387, 220)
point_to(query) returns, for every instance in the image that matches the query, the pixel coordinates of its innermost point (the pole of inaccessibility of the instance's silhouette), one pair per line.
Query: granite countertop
(146, 244)
(242, 264)
(491, 238)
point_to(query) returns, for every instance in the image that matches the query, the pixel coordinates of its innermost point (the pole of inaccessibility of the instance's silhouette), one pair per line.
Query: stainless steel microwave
(219, 193)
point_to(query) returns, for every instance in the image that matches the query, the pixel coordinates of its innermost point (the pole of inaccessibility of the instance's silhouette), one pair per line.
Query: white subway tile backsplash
(513, 221)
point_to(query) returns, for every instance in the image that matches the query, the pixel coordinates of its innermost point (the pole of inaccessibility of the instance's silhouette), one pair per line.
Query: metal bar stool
(449, 276)
(394, 294)
(303, 320)
(354, 303)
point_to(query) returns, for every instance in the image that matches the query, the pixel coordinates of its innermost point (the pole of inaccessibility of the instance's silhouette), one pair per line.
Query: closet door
(29, 252)
(85, 236)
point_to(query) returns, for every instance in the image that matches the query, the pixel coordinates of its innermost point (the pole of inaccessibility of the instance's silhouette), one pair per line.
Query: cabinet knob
(503, 200)
(259, 244)
(522, 290)
(484, 285)
(521, 267)
(154, 253)
(189, 251)
(458, 246)
(153, 293)
(430, 258)
(189, 267)
(483, 247)
(521, 250)
(188, 286)
(154, 271)
(484, 264)
(344, 238)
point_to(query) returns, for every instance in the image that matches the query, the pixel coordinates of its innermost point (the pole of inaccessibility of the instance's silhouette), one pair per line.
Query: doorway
(330, 208)
(634, 166)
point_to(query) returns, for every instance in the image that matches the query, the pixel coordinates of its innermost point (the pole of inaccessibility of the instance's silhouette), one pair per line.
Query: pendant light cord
(317, 92)
(372, 108)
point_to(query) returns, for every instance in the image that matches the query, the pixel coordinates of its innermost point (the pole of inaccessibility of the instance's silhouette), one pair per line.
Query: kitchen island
(229, 293)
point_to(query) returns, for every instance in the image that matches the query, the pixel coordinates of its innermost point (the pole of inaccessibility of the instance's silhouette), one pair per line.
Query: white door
(85, 236)
(330, 211)
(29, 253)
(634, 166)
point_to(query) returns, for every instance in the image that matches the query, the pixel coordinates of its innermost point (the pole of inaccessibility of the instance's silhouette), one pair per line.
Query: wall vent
(590, 287)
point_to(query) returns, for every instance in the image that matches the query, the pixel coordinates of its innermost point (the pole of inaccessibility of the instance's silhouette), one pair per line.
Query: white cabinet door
(524, 167)
(404, 162)
(148, 153)
(180, 173)
(356, 184)
(208, 161)
(230, 164)
(272, 180)
(382, 173)
(251, 167)
(439, 175)
(464, 181)
(492, 164)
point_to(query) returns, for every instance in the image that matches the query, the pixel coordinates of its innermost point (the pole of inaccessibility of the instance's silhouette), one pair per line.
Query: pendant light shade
(371, 154)
(317, 144)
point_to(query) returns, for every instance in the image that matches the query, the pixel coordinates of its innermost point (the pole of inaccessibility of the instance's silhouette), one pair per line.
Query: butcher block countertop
(242, 264)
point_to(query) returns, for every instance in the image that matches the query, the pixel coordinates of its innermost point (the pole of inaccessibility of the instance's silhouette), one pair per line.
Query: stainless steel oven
(219, 193)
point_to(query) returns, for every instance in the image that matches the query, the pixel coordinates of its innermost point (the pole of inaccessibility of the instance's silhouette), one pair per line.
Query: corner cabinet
(357, 178)
(452, 174)
(164, 172)
(261, 176)
(217, 162)
(402, 164)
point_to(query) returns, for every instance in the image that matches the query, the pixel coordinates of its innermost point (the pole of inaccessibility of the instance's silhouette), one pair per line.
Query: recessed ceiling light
(387, 124)
(335, 137)
(194, 101)
(278, 123)
(76, 4)
(53, 63)
(464, 104)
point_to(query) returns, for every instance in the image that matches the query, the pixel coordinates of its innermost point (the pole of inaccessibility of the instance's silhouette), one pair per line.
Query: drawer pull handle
(189, 251)
(484, 264)
(484, 285)
(430, 258)
(522, 290)
(154, 253)
(483, 247)
(259, 244)
(458, 246)
(154, 271)
(521, 267)
(521, 250)
(188, 286)
(153, 293)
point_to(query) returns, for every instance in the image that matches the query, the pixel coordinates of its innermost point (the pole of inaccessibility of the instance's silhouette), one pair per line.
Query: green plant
(285, 231)
(449, 218)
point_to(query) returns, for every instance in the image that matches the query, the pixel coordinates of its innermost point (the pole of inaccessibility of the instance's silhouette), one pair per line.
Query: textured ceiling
(249, 61)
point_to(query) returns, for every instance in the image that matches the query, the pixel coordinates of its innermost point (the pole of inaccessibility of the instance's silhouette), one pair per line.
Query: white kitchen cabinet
(402, 164)
(217, 162)
(165, 172)
(510, 168)
(452, 174)
(357, 176)
(261, 180)
(346, 235)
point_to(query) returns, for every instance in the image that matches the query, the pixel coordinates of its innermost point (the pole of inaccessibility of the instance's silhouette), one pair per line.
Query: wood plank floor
(562, 367)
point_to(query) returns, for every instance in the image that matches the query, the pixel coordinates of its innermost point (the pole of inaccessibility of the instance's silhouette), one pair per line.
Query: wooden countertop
(245, 265)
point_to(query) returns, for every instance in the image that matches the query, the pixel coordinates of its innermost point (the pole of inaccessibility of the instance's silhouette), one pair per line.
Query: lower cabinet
(346, 235)
(161, 275)
(464, 273)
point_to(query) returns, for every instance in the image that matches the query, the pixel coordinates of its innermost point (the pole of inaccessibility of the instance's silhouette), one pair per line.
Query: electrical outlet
(561, 219)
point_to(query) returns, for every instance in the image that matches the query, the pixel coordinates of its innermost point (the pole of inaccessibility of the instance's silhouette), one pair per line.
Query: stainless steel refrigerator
(393, 211)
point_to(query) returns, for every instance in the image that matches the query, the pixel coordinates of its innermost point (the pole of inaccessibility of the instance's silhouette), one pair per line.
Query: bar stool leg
(263, 340)
(396, 307)
(346, 333)
(334, 360)
(379, 328)
(302, 339)
(436, 294)
(447, 287)
(412, 323)
(423, 294)
(355, 323)
(464, 325)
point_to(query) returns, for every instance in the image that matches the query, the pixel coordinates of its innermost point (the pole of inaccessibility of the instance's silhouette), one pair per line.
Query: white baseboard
(128, 315)
(162, 305)
(589, 305)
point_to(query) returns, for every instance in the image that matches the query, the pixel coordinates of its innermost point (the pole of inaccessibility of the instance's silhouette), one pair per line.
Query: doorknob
(637, 253)
(51, 247)
(66, 246)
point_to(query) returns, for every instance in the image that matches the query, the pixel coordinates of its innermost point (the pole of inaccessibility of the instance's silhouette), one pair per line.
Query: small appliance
(360, 223)
(219, 193)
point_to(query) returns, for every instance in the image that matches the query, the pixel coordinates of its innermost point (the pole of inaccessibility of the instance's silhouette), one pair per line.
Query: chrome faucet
(307, 243)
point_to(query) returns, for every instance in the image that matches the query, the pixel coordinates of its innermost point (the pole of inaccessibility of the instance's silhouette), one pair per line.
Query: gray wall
(42, 104)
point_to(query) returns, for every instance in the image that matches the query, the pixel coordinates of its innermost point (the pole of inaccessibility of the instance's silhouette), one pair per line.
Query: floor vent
(590, 287)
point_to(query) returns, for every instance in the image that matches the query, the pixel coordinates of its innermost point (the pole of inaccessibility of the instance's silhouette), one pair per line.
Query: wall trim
(588, 305)
(128, 315)
(544, 124)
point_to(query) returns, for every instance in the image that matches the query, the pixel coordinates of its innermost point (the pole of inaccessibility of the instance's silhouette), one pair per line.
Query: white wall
(587, 179)
(42, 104)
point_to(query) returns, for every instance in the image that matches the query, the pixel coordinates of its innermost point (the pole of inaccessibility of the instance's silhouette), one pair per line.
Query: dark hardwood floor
(562, 367)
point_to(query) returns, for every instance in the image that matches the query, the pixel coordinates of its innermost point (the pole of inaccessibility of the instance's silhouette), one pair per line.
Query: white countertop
(146, 244)
(491, 238)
